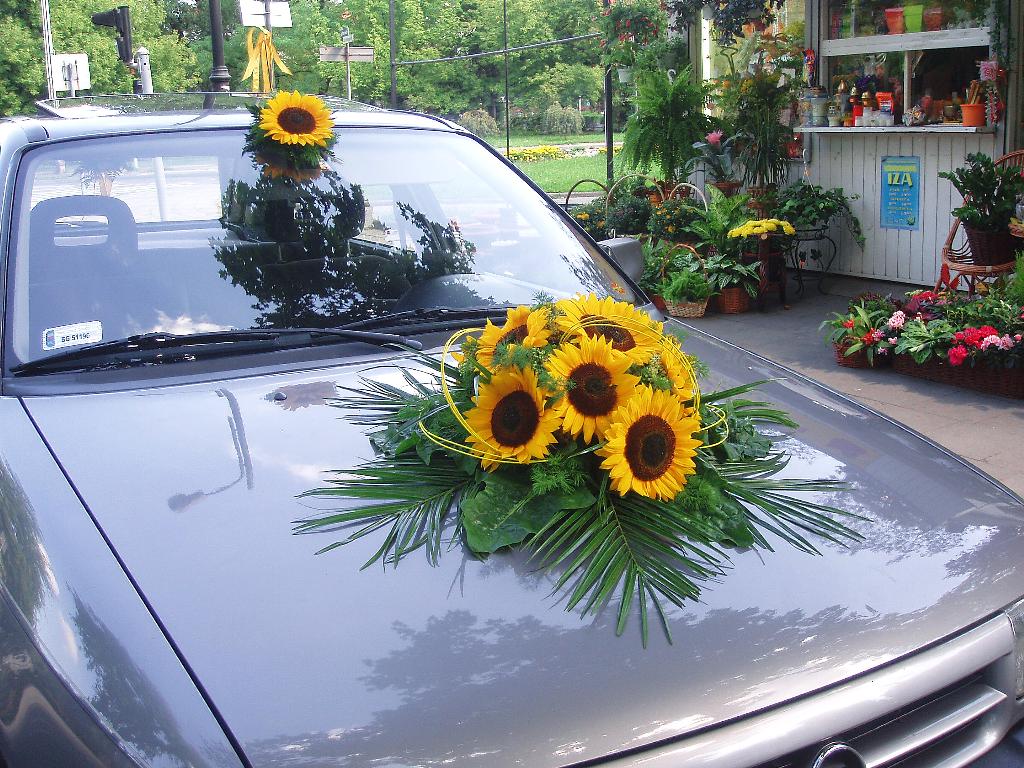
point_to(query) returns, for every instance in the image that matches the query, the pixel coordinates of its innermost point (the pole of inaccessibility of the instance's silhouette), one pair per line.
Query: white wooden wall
(853, 162)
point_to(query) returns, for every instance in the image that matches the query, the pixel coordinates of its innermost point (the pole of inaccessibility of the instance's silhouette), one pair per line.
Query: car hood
(472, 663)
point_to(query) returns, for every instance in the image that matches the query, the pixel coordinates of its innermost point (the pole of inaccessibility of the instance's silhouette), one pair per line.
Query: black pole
(220, 78)
(608, 112)
(504, 17)
(394, 54)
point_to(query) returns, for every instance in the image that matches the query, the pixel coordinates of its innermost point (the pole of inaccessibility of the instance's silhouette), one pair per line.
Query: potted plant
(591, 216)
(627, 27)
(990, 197)
(672, 220)
(686, 292)
(734, 282)
(669, 119)
(761, 134)
(716, 154)
(628, 215)
(710, 229)
(728, 18)
(810, 207)
(860, 337)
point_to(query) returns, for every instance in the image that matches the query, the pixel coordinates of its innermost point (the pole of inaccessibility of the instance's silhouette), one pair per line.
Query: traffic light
(119, 18)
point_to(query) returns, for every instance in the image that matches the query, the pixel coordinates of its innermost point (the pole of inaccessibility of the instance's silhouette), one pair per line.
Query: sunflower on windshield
(291, 136)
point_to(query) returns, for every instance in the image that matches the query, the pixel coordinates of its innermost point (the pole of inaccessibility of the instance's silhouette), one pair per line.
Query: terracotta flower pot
(933, 19)
(894, 21)
(727, 188)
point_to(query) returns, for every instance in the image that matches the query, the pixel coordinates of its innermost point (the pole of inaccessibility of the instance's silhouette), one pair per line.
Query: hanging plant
(627, 28)
(728, 17)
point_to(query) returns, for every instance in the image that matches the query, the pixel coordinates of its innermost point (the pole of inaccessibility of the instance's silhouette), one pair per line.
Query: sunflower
(292, 118)
(626, 327)
(523, 327)
(670, 360)
(509, 420)
(650, 446)
(598, 384)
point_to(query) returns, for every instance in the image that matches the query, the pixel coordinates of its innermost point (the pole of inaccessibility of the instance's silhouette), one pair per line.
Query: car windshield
(188, 233)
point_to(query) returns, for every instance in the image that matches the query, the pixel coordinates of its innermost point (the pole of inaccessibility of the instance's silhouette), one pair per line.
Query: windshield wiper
(157, 347)
(427, 319)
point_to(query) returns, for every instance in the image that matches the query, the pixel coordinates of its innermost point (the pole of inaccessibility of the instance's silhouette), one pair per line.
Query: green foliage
(922, 340)
(761, 135)
(591, 216)
(990, 192)
(629, 26)
(710, 230)
(1014, 290)
(807, 206)
(672, 219)
(851, 330)
(22, 77)
(628, 215)
(563, 121)
(668, 121)
(479, 122)
(725, 271)
(686, 285)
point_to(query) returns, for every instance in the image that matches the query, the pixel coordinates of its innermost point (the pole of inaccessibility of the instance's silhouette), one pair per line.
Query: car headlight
(1016, 615)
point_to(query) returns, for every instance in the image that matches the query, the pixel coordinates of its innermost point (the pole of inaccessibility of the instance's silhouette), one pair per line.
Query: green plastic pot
(912, 17)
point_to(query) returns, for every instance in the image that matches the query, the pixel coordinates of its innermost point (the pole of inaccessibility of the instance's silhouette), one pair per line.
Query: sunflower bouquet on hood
(291, 136)
(576, 430)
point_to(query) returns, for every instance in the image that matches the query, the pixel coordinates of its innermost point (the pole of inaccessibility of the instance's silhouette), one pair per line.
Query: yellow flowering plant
(762, 228)
(577, 430)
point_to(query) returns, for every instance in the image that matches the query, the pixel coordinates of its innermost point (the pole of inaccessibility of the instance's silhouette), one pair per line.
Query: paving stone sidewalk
(986, 430)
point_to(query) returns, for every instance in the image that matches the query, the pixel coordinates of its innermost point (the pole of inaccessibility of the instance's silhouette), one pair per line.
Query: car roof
(100, 115)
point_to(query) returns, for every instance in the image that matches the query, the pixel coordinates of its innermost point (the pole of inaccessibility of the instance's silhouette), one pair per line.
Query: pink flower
(892, 340)
(897, 320)
(883, 351)
(989, 341)
(957, 355)
(877, 335)
(714, 138)
(1006, 342)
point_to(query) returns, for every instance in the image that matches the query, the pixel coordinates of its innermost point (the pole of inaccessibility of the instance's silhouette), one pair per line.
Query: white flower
(897, 320)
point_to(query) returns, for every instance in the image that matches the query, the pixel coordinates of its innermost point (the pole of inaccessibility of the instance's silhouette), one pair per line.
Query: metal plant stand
(803, 247)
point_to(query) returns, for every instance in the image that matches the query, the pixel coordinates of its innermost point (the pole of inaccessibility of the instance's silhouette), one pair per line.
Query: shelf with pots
(908, 41)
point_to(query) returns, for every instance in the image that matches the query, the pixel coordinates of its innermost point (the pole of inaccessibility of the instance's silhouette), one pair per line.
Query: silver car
(173, 333)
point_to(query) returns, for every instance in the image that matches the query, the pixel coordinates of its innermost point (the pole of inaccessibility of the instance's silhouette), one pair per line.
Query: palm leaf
(411, 497)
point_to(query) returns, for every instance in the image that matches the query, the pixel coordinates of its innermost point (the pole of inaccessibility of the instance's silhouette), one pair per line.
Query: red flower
(868, 338)
(848, 323)
(958, 354)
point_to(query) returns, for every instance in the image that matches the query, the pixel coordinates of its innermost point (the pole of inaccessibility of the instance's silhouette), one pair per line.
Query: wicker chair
(957, 258)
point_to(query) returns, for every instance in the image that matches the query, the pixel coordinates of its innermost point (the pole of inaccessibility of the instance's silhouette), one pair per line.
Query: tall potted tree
(762, 136)
(668, 121)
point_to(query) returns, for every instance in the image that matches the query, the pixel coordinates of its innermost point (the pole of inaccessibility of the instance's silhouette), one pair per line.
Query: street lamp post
(220, 78)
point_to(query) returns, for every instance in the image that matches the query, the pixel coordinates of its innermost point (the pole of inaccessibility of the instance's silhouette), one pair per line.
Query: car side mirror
(627, 253)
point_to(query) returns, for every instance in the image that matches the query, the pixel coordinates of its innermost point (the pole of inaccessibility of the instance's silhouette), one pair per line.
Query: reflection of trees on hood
(299, 257)
(23, 564)
(124, 694)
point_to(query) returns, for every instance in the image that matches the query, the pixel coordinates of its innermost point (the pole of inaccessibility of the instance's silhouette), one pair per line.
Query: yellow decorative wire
(263, 56)
(720, 421)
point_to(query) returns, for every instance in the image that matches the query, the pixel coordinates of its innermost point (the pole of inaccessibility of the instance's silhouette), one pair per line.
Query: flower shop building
(901, 94)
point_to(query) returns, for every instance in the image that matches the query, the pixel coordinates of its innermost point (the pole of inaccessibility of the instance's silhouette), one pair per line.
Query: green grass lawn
(560, 175)
(538, 139)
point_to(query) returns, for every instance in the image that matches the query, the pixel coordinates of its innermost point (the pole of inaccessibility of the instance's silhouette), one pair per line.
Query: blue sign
(901, 192)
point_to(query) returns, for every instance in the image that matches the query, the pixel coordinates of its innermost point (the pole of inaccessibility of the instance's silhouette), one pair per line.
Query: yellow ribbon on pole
(263, 56)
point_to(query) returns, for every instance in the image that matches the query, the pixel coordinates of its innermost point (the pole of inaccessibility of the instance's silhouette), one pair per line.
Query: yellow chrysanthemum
(509, 420)
(626, 327)
(522, 327)
(597, 384)
(294, 118)
(650, 446)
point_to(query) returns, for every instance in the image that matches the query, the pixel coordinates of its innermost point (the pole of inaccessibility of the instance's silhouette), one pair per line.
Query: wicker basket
(733, 300)
(688, 309)
(859, 359)
(989, 248)
(1005, 382)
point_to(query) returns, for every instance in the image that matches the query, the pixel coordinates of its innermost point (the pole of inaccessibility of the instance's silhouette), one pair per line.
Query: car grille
(947, 729)
(940, 708)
